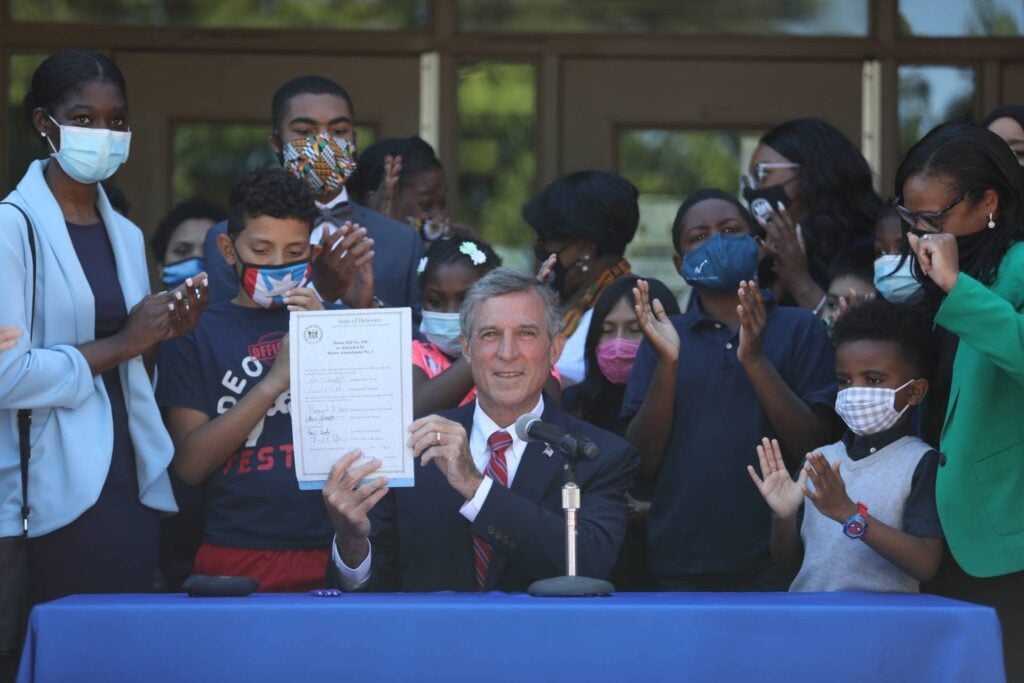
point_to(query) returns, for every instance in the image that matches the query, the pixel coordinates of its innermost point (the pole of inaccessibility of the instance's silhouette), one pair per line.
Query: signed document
(351, 388)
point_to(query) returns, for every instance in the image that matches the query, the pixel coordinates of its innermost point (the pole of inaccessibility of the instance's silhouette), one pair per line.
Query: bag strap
(25, 415)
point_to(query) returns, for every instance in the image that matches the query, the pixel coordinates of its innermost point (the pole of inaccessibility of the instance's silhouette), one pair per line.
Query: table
(759, 637)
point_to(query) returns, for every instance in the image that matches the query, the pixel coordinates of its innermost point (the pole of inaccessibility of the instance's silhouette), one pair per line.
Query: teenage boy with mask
(224, 390)
(872, 524)
(368, 259)
(706, 385)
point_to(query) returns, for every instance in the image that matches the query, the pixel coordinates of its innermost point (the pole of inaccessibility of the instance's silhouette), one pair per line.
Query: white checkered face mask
(869, 410)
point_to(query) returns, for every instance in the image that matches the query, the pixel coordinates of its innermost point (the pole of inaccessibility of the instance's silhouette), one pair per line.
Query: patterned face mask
(268, 285)
(323, 162)
(869, 410)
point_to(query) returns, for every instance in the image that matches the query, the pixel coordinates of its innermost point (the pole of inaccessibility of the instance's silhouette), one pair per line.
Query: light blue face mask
(895, 281)
(443, 331)
(177, 273)
(90, 155)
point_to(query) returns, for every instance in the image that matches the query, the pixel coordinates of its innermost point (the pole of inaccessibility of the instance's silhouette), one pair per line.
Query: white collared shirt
(483, 427)
(317, 234)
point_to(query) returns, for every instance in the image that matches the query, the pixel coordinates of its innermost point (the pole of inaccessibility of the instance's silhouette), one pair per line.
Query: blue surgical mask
(90, 155)
(177, 273)
(443, 331)
(895, 281)
(721, 263)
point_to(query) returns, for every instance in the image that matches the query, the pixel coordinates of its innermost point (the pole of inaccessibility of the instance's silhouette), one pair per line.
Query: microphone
(530, 427)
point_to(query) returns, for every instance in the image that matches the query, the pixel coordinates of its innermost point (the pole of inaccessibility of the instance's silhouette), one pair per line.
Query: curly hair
(908, 328)
(270, 192)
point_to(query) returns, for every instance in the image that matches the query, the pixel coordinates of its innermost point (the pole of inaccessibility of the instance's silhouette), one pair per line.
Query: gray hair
(501, 281)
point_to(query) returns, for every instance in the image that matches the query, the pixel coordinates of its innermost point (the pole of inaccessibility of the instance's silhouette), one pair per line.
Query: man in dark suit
(368, 258)
(486, 511)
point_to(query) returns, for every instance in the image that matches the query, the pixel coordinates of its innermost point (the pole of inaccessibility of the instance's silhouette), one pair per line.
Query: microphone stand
(571, 585)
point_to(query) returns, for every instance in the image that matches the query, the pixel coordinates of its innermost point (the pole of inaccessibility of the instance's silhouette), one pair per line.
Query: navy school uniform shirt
(252, 500)
(707, 517)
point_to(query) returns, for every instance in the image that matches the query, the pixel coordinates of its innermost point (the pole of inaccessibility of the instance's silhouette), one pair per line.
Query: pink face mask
(615, 358)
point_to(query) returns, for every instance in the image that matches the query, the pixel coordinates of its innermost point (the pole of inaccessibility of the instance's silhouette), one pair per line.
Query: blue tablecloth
(457, 637)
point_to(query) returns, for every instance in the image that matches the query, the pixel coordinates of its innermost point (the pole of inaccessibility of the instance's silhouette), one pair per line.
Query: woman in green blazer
(962, 193)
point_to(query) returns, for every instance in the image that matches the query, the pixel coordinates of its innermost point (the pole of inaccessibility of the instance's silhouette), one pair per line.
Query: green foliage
(353, 14)
(930, 95)
(661, 16)
(497, 165)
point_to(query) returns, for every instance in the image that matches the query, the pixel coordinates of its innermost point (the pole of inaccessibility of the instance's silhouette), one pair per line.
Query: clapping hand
(655, 325)
(782, 494)
(829, 494)
(343, 256)
(753, 315)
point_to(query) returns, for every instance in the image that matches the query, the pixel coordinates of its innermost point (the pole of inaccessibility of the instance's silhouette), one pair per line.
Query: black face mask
(774, 195)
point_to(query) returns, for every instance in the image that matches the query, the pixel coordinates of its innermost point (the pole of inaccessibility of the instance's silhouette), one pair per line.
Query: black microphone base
(570, 587)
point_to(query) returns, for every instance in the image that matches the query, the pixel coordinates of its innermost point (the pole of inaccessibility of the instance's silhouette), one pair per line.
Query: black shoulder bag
(14, 549)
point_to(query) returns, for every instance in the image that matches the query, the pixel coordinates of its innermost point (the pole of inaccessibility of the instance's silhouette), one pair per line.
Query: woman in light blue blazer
(99, 452)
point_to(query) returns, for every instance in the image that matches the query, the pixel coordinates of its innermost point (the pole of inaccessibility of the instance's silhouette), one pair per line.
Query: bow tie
(335, 215)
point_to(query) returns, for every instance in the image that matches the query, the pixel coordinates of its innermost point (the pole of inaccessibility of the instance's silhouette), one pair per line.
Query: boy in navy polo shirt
(705, 387)
(225, 386)
(872, 524)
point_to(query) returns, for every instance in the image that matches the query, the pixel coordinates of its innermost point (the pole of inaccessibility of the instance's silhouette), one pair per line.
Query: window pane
(342, 14)
(930, 95)
(23, 143)
(210, 157)
(666, 166)
(496, 159)
(717, 17)
(962, 17)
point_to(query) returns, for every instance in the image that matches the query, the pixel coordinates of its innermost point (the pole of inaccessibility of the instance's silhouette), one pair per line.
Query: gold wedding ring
(438, 434)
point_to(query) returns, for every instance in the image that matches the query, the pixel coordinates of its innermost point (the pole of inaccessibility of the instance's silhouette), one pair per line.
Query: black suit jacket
(420, 541)
(398, 250)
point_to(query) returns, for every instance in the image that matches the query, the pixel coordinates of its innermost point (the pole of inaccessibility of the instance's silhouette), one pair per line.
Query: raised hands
(829, 494)
(782, 494)
(753, 315)
(445, 443)
(938, 257)
(349, 499)
(340, 271)
(655, 325)
(387, 191)
(785, 243)
(544, 274)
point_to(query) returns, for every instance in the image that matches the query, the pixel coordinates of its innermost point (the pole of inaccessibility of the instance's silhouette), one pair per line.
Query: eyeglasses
(761, 168)
(930, 219)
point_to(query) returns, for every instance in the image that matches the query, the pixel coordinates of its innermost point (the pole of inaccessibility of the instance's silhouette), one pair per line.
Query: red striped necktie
(497, 469)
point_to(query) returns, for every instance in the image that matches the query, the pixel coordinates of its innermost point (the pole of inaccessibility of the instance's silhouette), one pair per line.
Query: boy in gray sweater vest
(872, 523)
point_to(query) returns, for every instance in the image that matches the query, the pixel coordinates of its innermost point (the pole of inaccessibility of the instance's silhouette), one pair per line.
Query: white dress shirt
(483, 427)
(571, 364)
(317, 234)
